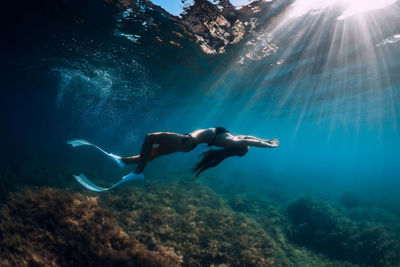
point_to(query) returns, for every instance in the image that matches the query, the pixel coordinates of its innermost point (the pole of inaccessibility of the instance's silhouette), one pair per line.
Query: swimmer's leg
(155, 145)
(167, 143)
(155, 152)
(81, 142)
(131, 160)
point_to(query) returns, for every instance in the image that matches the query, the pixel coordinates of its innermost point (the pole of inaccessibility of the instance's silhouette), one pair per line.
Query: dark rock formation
(319, 226)
(217, 26)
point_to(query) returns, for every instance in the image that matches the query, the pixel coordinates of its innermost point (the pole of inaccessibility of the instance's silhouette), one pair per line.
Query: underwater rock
(168, 223)
(215, 26)
(212, 26)
(250, 204)
(199, 225)
(47, 227)
(319, 226)
(194, 221)
(349, 200)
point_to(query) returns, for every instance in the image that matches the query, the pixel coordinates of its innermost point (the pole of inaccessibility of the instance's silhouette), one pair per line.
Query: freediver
(164, 143)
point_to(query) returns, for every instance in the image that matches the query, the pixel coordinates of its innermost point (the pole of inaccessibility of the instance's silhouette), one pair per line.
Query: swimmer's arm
(260, 142)
(254, 138)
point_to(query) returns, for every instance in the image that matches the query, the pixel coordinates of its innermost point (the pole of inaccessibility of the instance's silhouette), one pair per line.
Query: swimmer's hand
(273, 143)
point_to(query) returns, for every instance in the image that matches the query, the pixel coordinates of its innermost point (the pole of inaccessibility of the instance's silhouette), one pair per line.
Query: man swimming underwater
(164, 143)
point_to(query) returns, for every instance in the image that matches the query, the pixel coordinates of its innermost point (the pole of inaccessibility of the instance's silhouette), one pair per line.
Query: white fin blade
(85, 182)
(78, 142)
(81, 142)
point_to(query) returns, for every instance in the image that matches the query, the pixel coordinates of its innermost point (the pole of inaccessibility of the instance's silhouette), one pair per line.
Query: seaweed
(47, 227)
(202, 227)
(194, 221)
(179, 222)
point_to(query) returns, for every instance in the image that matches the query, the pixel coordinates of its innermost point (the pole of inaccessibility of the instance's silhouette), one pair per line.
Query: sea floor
(182, 222)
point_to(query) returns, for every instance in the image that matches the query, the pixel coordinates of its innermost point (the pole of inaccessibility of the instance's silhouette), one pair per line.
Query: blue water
(331, 99)
(329, 93)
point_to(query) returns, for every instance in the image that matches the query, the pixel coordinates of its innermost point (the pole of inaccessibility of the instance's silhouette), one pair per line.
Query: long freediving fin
(81, 142)
(88, 184)
(85, 182)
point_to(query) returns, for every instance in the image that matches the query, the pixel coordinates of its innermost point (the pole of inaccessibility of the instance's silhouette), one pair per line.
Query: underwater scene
(200, 133)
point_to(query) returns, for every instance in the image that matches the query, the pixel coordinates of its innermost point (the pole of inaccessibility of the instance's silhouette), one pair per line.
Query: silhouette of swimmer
(164, 143)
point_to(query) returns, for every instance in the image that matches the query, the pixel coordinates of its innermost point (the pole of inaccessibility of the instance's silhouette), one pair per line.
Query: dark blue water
(328, 90)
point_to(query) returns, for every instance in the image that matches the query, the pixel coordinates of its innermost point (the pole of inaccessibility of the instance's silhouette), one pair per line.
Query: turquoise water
(328, 89)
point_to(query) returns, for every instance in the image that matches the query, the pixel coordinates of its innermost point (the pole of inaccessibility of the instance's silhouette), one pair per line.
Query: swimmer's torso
(203, 135)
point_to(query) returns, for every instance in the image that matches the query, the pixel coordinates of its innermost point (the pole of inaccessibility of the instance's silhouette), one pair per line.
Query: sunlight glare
(359, 6)
(302, 7)
(352, 7)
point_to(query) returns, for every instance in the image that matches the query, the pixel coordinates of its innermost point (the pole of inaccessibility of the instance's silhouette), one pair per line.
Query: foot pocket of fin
(117, 159)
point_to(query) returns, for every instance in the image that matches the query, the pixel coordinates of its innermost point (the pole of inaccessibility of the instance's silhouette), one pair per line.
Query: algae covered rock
(49, 227)
(195, 222)
(323, 228)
